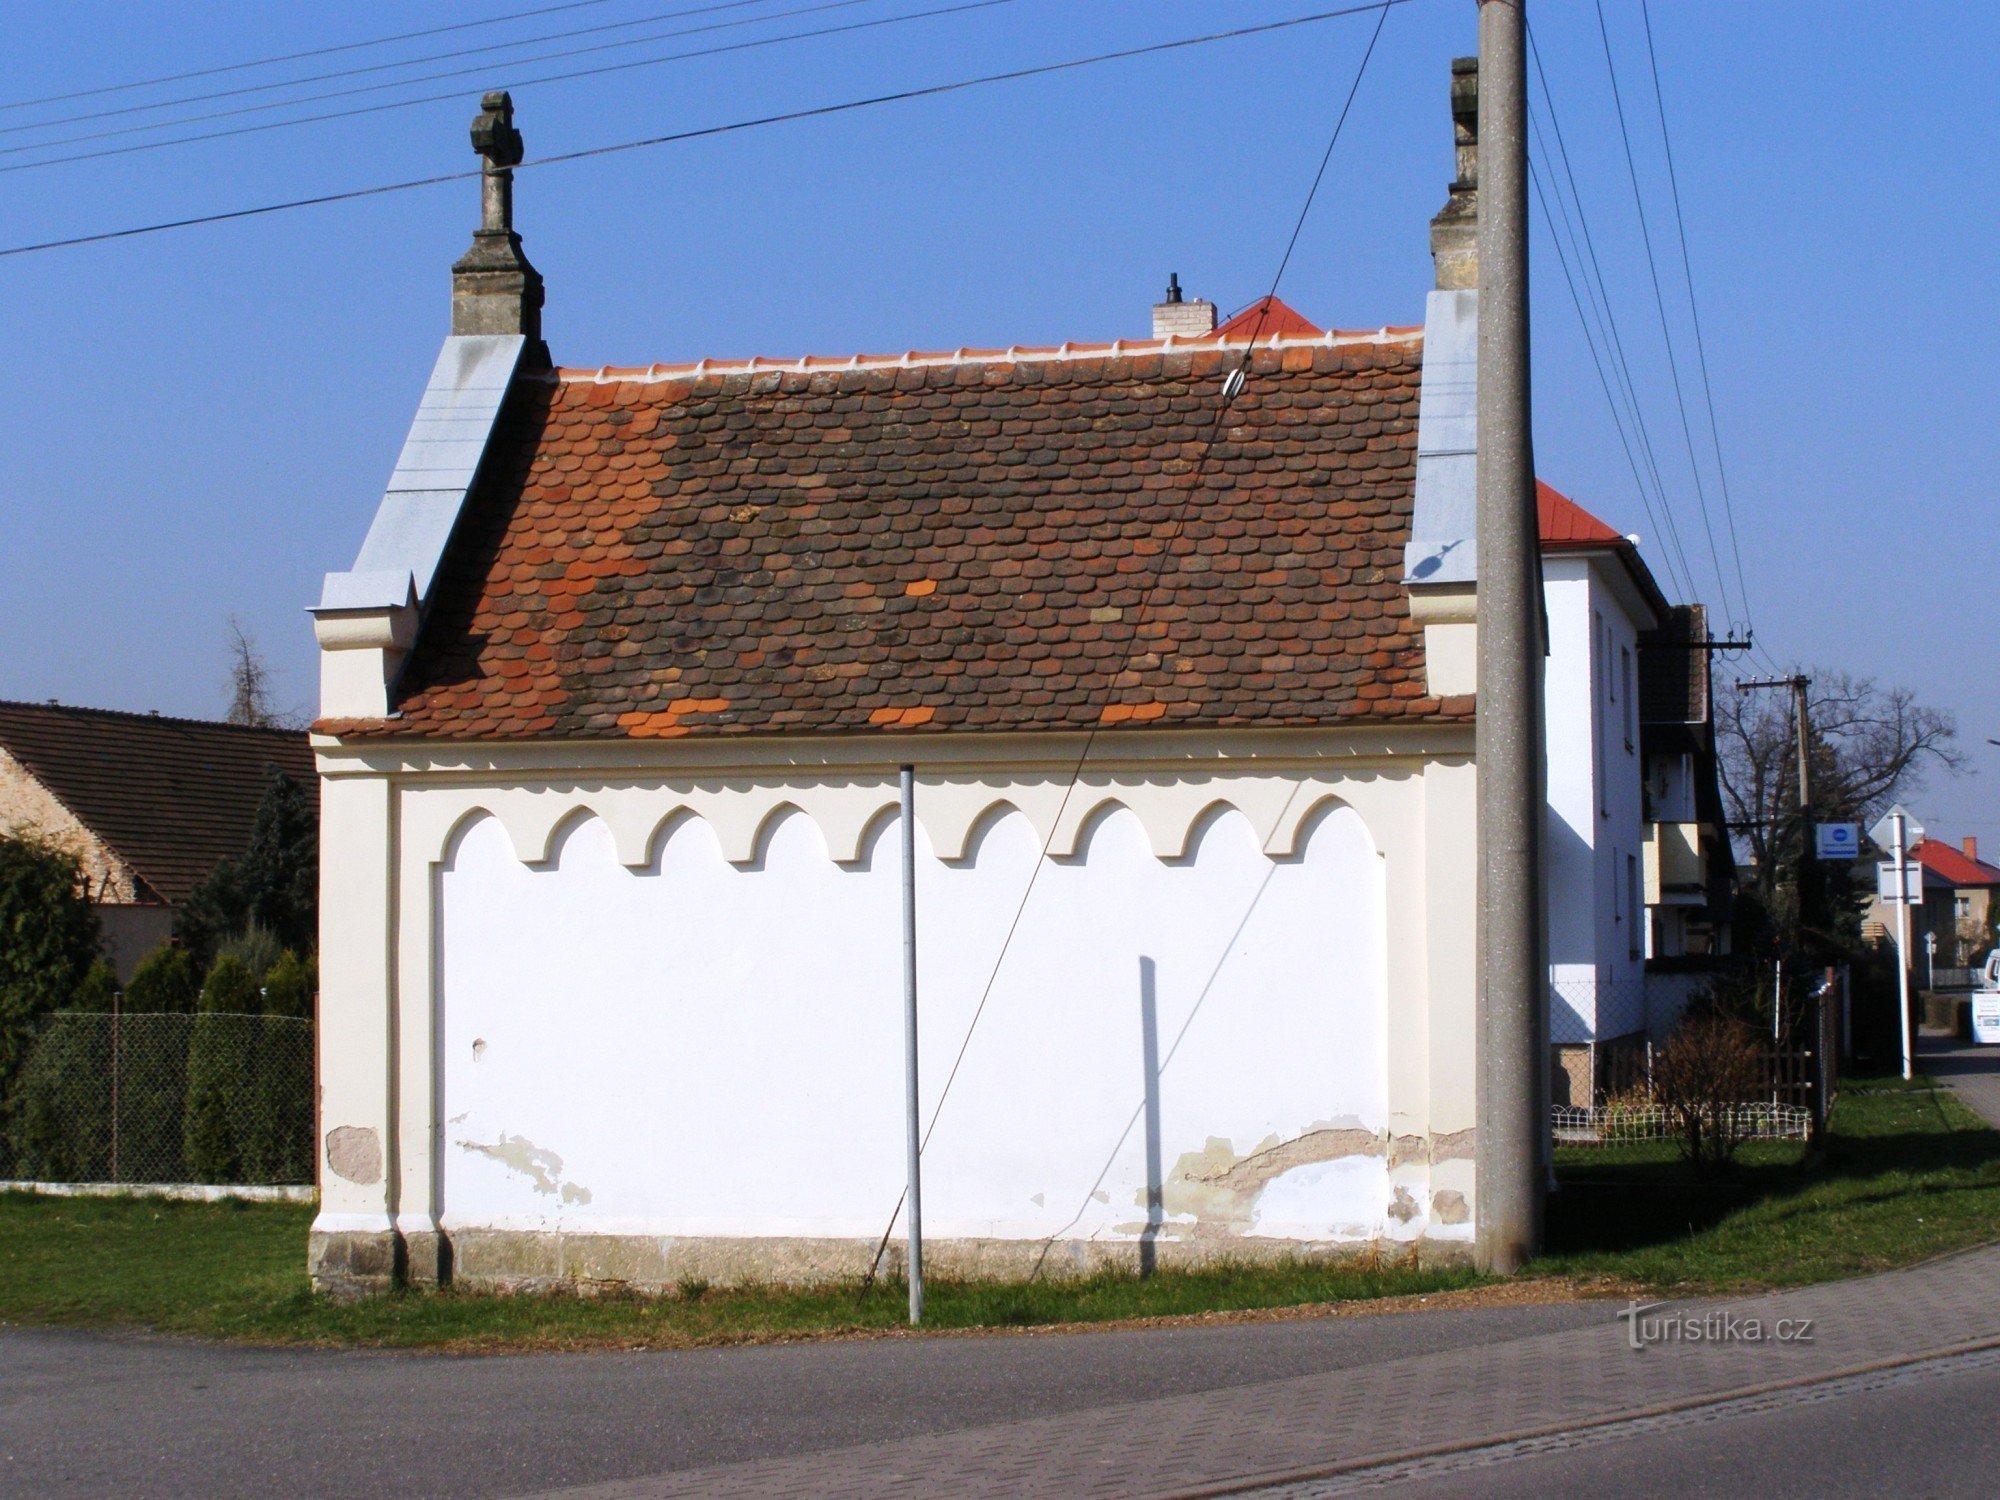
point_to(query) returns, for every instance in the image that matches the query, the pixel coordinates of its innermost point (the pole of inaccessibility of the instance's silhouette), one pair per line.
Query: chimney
(493, 288)
(1971, 847)
(1190, 320)
(1455, 230)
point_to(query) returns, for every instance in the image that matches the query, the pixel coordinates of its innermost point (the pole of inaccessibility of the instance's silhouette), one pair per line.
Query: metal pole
(117, 1001)
(1513, 1120)
(1808, 871)
(914, 1220)
(1903, 936)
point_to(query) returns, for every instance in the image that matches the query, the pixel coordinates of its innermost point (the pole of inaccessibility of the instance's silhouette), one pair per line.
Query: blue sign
(1839, 840)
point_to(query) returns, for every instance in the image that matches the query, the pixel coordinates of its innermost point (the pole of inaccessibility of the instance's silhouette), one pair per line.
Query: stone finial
(493, 287)
(1455, 230)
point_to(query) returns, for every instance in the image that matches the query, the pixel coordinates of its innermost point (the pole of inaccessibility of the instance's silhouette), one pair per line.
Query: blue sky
(199, 423)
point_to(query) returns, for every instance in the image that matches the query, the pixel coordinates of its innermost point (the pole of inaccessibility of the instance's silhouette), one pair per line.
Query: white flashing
(439, 461)
(915, 359)
(1443, 545)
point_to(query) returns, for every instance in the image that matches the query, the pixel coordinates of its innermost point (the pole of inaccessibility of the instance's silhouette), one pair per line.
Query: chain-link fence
(221, 1099)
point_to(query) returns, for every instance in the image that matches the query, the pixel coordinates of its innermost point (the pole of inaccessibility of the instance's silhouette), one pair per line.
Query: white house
(614, 702)
(1600, 598)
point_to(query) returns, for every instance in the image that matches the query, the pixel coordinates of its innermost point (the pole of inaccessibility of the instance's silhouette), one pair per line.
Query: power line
(1617, 417)
(381, 67)
(1666, 328)
(1694, 317)
(1232, 386)
(374, 109)
(1599, 289)
(272, 62)
(1601, 296)
(702, 132)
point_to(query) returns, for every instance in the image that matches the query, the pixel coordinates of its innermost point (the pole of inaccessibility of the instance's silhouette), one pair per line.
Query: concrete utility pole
(1513, 964)
(1801, 728)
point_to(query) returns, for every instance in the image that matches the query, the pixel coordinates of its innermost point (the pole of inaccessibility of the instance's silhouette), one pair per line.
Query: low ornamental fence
(212, 1099)
(1796, 1068)
(1619, 1122)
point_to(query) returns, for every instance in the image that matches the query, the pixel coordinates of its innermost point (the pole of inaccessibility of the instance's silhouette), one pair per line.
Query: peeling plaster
(1449, 1206)
(355, 1153)
(538, 1164)
(1219, 1189)
(1403, 1208)
(1457, 1146)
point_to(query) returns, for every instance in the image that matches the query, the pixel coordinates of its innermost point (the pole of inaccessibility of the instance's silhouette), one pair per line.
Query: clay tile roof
(1564, 523)
(172, 797)
(1952, 865)
(1267, 318)
(965, 541)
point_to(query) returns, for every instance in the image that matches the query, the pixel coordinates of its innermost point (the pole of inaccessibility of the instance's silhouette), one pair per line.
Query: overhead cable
(897, 96)
(514, 83)
(272, 62)
(1694, 317)
(381, 67)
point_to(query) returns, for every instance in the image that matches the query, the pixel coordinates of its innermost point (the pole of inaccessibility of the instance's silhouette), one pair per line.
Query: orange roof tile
(745, 549)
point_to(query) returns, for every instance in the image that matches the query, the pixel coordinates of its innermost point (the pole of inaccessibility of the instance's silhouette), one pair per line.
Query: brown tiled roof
(172, 797)
(946, 544)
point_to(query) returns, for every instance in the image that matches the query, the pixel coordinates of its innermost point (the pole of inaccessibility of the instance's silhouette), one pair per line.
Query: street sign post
(1912, 883)
(1895, 831)
(1838, 840)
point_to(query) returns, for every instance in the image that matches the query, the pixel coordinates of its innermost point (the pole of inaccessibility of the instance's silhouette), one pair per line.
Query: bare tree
(249, 681)
(1866, 746)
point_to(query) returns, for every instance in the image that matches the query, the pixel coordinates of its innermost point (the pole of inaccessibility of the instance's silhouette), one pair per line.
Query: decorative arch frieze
(954, 815)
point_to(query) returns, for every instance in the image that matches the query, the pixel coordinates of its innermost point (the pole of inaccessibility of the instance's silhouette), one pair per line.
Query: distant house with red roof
(1957, 910)
(1177, 638)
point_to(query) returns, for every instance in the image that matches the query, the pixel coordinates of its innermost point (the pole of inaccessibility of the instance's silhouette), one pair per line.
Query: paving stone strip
(1289, 1430)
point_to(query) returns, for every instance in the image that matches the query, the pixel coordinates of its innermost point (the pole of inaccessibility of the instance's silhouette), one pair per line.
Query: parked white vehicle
(1986, 1002)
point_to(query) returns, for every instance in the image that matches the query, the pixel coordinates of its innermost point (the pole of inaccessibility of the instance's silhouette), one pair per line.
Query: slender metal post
(914, 1218)
(1513, 970)
(117, 1001)
(1903, 935)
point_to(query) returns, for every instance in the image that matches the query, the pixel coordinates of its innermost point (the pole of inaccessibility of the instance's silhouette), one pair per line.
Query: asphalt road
(85, 1414)
(1918, 1431)
(1972, 1072)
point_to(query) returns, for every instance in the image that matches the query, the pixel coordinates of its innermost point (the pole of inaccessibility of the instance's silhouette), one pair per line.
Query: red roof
(961, 544)
(1564, 523)
(1952, 865)
(1268, 318)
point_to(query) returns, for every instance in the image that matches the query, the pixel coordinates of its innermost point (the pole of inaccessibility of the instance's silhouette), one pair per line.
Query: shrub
(218, 1065)
(98, 993)
(59, 1115)
(1707, 1070)
(277, 1132)
(48, 941)
(163, 984)
(256, 948)
(292, 986)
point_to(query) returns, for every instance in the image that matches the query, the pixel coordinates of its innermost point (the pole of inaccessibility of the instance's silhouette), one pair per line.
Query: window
(1631, 703)
(1600, 726)
(1633, 897)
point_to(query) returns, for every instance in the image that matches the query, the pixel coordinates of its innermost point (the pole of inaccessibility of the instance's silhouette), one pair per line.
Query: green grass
(1908, 1174)
(234, 1270)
